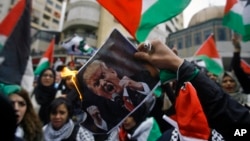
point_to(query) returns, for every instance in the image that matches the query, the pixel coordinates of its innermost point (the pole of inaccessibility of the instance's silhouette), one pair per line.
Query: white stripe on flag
(3, 40)
(146, 4)
(28, 77)
(246, 15)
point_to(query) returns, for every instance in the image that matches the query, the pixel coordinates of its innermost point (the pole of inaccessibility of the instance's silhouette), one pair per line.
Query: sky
(197, 5)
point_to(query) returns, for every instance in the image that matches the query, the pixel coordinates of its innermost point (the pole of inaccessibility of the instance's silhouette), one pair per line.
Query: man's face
(105, 82)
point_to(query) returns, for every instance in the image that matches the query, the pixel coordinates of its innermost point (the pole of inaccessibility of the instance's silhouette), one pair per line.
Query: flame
(67, 72)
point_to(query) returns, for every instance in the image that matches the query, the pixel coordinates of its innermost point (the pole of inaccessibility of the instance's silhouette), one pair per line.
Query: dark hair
(59, 101)
(31, 123)
(140, 114)
(43, 71)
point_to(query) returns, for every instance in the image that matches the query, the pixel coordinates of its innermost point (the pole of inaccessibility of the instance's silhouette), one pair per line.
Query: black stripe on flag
(16, 50)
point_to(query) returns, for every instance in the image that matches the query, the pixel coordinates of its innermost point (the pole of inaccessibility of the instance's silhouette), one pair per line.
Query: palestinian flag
(9, 23)
(47, 60)
(15, 46)
(237, 17)
(245, 66)
(148, 130)
(208, 54)
(139, 17)
(190, 121)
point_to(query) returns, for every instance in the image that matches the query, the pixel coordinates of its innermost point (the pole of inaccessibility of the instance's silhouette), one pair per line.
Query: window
(58, 7)
(35, 20)
(207, 33)
(179, 43)
(50, 2)
(44, 25)
(221, 34)
(171, 43)
(47, 9)
(46, 17)
(55, 21)
(188, 41)
(197, 38)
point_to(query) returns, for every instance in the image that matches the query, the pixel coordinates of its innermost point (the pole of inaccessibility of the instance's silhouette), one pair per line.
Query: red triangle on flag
(50, 51)
(10, 21)
(192, 122)
(122, 11)
(208, 48)
(245, 66)
(15, 45)
(229, 5)
(189, 119)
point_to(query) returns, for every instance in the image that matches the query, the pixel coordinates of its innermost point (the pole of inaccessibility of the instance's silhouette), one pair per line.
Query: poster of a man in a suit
(115, 82)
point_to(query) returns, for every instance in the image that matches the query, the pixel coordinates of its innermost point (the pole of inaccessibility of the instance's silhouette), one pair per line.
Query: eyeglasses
(48, 75)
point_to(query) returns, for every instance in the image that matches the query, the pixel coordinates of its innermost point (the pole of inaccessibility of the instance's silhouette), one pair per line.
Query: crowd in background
(52, 112)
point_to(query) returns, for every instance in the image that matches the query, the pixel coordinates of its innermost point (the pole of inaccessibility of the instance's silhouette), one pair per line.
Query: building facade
(88, 19)
(202, 24)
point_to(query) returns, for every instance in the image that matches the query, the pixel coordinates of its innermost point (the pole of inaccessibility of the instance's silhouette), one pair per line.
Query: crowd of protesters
(46, 115)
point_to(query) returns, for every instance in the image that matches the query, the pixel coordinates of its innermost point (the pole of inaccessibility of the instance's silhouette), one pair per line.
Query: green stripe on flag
(234, 21)
(211, 65)
(155, 131)
(159, 12)
(41, 67)
(246, 37)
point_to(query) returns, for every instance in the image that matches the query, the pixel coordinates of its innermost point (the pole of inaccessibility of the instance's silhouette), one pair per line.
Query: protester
(223, 114)
(230, 85)
(29, 125)
(244, 79)
(61, 127)
(58, 80)
(68, 90)
(66, 85)
(45, 92)
(138, 127)
(104, 81)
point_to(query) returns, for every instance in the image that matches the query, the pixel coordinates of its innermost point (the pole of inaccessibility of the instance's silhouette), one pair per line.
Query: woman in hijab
(230, 84)
(45, 92)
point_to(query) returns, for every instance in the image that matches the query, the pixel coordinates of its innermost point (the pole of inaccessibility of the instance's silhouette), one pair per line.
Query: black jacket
(242, 77)
(223, 114)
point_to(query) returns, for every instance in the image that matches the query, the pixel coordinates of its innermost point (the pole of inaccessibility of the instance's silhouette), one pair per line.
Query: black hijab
(45, 94)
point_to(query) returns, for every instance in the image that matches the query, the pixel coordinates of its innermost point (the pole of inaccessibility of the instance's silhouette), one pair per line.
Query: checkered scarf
(215, 136)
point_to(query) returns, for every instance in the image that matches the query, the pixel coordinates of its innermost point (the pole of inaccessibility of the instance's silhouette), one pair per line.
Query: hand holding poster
(114, 84)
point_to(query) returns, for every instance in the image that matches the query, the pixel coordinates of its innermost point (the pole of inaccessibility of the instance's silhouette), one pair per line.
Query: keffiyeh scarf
(57, 135)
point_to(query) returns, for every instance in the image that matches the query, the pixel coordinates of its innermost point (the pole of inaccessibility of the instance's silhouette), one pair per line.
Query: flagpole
(52, 59)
